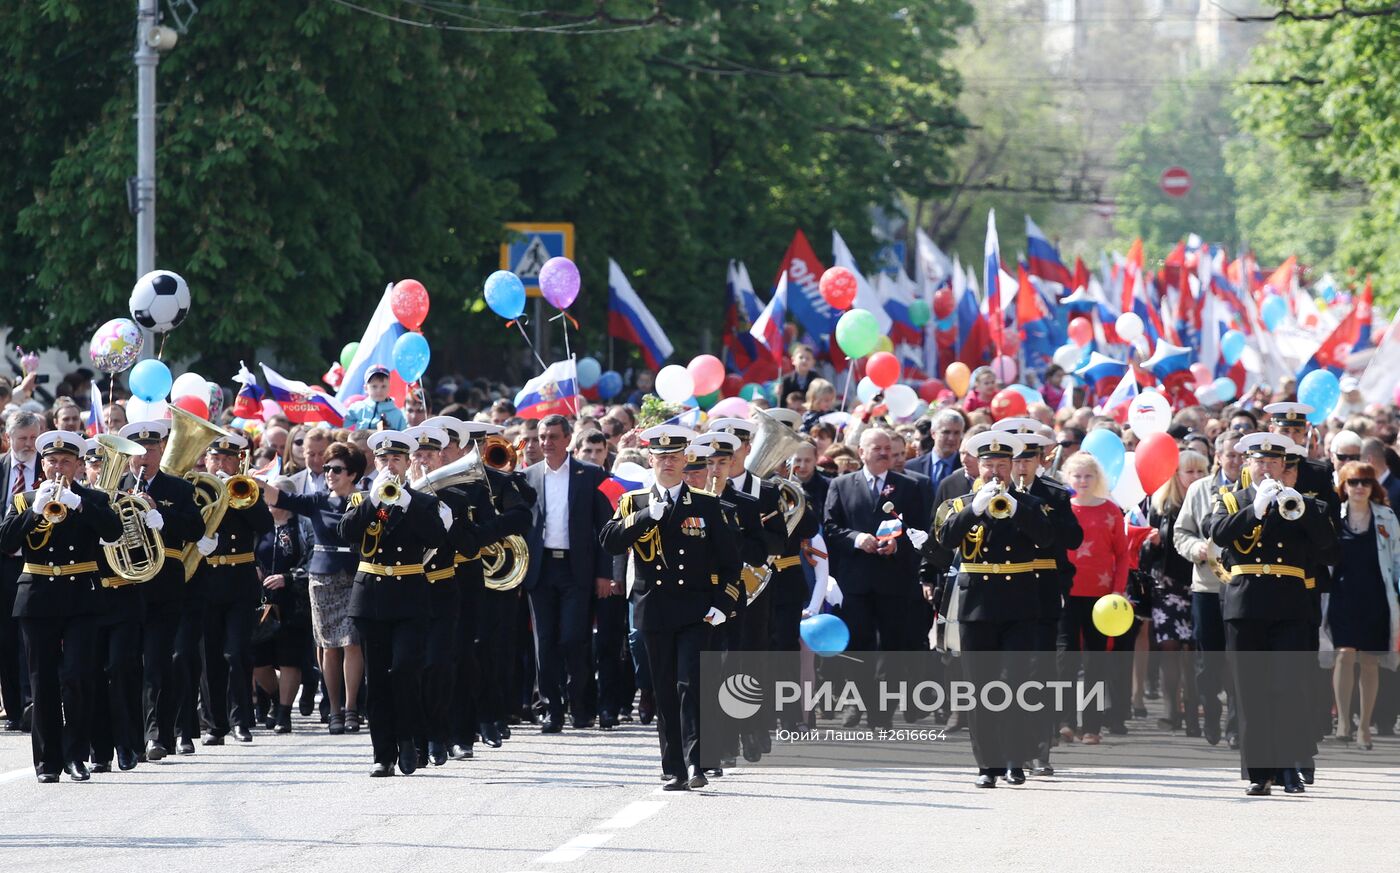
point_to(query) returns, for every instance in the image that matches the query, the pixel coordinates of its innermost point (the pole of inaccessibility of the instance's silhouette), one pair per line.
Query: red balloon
(1156, 460)
(193, 404)
(943, 303)
(838, 287)
(1081, 331)
(409, 301)
(930, 389)
(1008, 403)
(883, 369)
(733, 383)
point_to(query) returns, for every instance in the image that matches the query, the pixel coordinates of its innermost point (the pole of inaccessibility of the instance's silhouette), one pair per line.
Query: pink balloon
(707, 372)
(1201, 374)
(559, 282)
(730, 407)
(1005, 368)
(1081, 331)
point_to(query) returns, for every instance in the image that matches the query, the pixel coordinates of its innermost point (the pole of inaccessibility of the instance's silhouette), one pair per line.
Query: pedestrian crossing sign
(530, 244)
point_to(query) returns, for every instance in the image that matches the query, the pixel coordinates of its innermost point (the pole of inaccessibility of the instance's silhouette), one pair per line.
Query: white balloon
(902, 400)
(674, 384)
(1067, 357)
(1129, 326)
(190, 384)
(1128, 492)
(866, 390)
(1205, 395)
(1149, 413)
(145, 410)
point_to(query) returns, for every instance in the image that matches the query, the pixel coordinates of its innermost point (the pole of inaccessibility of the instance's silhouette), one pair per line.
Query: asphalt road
(590, 801)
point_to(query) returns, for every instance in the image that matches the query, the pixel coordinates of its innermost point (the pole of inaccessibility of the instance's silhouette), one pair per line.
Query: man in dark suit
(943, 458)
(571, 568)
(19, 472)
(878, 574)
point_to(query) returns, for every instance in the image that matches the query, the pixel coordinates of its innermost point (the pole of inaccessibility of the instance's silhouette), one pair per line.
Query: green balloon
(347, 354)
(708, 400)
(857, 333)
(919, 313)
(751, 390)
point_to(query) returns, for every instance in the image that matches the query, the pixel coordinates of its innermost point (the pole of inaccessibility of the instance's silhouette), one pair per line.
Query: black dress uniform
(1004, 567)
(1267, 606)
(390, 604)
(685, 564)
(57, 606)
(473, 505)
(117, 725)
(229, 576)
(497, 645)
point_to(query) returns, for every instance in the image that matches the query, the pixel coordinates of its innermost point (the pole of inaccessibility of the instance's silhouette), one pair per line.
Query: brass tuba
(774, 444)
(503, 563)
(190, 437)
(140, 553)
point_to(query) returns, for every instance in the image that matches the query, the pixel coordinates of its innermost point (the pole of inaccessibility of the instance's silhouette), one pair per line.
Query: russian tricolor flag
(768, 329)
(1043, 260)
(301, 403)
(94, 413)
(991, 281)
(629, 320)
(553, 391)
(743, 310)
(376, 347)
(627, 476)
(1122, 397)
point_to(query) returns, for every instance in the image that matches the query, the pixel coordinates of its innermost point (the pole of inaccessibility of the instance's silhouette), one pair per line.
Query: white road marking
(15, 775)
(575, 848)
(634, 814)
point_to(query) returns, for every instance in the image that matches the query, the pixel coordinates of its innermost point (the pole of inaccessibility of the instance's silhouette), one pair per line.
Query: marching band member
(59, 527)
(1268, 534)
(686, 582)
(397, 529)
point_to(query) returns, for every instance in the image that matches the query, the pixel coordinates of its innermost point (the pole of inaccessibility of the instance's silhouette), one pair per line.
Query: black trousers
(1268, 659)
(12, 666)
(610, 655)
(1078, 634)
(188, 659)
(228, 663)
(494, 629)
(60, 656)
(999, 651)
(785, 640)
(160, 683)
(440, 669)
(878, 622)
(466, 671)
(394, 655)
(1044, 668)
(559, 611)
(674, 657)
(116, 690)
(1212, 677)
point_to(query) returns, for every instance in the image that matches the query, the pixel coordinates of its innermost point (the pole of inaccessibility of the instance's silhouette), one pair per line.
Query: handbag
(267, 621)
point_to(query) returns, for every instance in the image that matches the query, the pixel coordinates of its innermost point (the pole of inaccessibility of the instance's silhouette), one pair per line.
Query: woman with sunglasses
(1363, 617)
(333, 563)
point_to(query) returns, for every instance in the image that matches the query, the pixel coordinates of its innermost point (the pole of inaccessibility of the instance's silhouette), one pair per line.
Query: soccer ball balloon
(160, 301)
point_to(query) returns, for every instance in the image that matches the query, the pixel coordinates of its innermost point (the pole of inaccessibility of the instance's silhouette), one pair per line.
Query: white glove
(374, 488)
(917, 538)
(714, 617)
(445, 513)
(207, 545)
(656, 509)
(1266, 495)
(402, 502)
(45, 493)
(984, 497)
(69, 498)
(154, 520)
(833, 592)
(1012, 501)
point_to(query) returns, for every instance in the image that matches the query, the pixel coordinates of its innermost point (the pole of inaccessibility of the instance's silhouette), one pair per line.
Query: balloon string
(161, 352)
(526, 337)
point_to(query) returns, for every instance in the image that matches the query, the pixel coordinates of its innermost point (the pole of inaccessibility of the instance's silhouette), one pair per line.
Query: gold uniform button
(680, 581)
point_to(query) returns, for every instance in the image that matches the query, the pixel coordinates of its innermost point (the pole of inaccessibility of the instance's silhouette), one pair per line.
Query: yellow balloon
(957, 377)
(1321, 305)
(1113, 615)
(884, 344)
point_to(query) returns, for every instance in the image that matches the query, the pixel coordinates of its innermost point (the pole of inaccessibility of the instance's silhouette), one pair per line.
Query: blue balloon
(609, 384)
(1329, 293)
(1031, 395)
(150, 380)
(505, 294)
(411, 356)
(1223, 389)
(1231, 346)
(825, 634)
(1319, 389)
(1273, 310)
(1107, 448)
(946, 323)
(589, 371)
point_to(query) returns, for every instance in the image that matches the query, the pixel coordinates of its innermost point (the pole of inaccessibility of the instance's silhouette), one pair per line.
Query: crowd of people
(448, 572)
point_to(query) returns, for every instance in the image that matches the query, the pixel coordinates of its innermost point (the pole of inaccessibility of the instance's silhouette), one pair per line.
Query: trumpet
(497, 452)
(1290, 504)
(54, 511)
(1000, 506)
(243, 490)
(388, 491)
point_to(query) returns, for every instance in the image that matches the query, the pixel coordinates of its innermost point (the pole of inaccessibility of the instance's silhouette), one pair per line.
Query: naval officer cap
(92, 450)
(697, 457)
(426, 437)
(739, 427)
(1017, 425)
(1035, 443)
(145, 432)
(721, 445)
(790, 417)
(391, 442)
(57, 442)
(1265, 445)
(665, 439)
(456, 428)
(480, 430)
(1295, 456)
(1289, 414)
(229, 444)
(994, 444)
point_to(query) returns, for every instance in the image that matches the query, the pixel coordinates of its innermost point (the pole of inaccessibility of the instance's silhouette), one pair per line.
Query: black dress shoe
(1042, 768)
(717, 772)
(1233, 739)
(408, 757)
(437, 753)
(211, 739)
(47, 778)
(1308, 774)
(101, 767)
(421, 756)
(11, 725)
(765, 742)
(677, 784)
(1015, 776)
(490, 735)
(552, 726)
(460, 752)
(154, 751)
(1258, 789)
(1211, 730)
(1292, 781)
(242, 734)
(697, 778)
(1118, 729)
(382, 770)
(126, 759)
(503, 728)
(986, 780)
(646, 707)
(282, 724)
(186, 747)
(77, 771)
(583, 724)
(607, 722)
(748, 745)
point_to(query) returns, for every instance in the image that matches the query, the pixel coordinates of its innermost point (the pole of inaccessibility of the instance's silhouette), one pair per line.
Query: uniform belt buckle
(558, 554)
(1267, 568)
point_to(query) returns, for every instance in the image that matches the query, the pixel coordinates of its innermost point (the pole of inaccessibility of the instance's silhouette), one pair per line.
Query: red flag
(1081, 274)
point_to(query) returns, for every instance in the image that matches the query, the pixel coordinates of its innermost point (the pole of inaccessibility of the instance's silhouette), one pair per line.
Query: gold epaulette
(356, 499)
(1232, 505)
(21, 503)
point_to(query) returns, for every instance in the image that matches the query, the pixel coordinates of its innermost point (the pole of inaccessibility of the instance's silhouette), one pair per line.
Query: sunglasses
(332, 468)
(1067, 444)
(1354, 483)
(298, 441)
(1345, 459)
